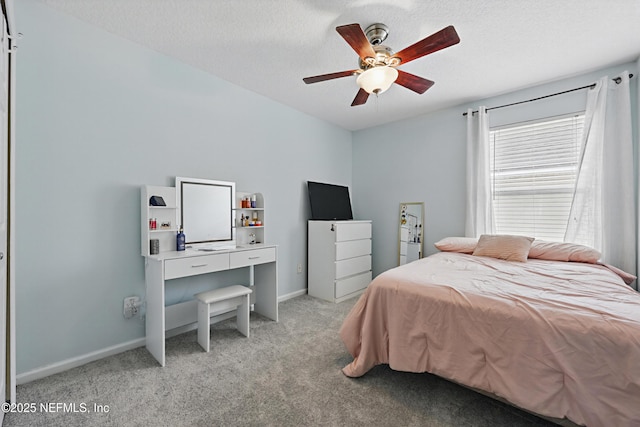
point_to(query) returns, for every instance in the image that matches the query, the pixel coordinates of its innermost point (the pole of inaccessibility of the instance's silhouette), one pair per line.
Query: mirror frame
(418, 234)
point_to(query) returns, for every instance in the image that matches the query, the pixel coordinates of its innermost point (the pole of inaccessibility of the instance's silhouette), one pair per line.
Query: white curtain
(479, 215)
(603, 209)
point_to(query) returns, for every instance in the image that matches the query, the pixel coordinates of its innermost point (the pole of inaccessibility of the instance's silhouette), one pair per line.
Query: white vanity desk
(261, 259)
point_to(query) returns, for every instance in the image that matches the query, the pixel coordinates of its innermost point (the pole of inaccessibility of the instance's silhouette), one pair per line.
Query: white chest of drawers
(339, 259)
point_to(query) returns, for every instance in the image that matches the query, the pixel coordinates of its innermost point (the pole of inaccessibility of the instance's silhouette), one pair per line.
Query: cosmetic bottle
(180, 240)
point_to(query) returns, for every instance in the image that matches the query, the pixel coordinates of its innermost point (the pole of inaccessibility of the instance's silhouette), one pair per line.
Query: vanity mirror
(410, 232)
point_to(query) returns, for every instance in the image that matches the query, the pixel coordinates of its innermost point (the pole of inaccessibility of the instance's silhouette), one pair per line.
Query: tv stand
(339, 259)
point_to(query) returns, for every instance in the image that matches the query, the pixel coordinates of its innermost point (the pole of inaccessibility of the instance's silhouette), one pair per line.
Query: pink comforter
(561, 339)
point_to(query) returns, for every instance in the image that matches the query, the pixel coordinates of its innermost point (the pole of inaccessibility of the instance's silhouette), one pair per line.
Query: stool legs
(242, 316)
(204, 321)
(204, 325)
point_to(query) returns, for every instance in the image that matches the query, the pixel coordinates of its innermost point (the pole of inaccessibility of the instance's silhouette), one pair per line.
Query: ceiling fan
(378, 62)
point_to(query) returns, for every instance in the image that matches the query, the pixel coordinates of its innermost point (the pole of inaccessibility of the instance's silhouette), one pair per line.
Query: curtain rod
(591, 86)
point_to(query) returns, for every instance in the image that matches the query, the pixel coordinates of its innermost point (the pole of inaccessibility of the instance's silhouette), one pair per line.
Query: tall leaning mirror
(410, 232)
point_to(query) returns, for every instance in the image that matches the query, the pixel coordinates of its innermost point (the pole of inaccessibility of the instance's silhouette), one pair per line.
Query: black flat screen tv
(329, 201)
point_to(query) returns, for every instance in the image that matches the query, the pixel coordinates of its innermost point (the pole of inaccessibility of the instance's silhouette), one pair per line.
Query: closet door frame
(8, 181)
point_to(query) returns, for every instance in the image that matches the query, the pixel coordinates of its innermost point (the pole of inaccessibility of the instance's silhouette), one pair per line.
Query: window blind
(533, 175)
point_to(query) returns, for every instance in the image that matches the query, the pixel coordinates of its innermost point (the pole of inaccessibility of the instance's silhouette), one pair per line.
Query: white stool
(209, 301)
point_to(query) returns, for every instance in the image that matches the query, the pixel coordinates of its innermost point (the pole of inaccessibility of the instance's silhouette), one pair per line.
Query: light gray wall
(97, 117)
(424, 160)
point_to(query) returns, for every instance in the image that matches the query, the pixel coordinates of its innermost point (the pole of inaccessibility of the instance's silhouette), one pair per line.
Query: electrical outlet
(131, 306)
(299, 268)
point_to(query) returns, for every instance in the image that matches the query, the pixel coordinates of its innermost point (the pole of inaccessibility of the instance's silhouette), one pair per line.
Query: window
(533, 175)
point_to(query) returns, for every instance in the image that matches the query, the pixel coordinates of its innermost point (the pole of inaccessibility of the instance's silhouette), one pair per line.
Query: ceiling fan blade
(356, 38)
(413, 82)
(323, 77)
(361, 98)
(443, 38)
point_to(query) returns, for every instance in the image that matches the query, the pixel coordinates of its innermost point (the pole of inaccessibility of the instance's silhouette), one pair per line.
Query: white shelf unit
(162, 214)
(339, 259)
(243, 232)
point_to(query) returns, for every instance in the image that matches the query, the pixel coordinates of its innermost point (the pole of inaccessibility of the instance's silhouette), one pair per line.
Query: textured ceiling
(268, 46)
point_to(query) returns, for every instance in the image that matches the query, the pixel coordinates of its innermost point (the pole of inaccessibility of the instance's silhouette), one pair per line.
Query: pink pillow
(463, 245)
(557, 251)
(509, 248)
(626, 277)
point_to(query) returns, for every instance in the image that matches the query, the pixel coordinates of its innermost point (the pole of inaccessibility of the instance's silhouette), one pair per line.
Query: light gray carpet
(285, 374)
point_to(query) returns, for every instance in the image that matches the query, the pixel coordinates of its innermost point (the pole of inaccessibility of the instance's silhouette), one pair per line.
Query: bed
(557, 338)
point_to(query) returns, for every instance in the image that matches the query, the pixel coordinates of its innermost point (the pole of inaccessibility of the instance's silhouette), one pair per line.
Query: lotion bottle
(180, 240)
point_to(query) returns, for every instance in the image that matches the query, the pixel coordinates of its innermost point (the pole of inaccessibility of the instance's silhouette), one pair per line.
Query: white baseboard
(292, 295)
(74, 362)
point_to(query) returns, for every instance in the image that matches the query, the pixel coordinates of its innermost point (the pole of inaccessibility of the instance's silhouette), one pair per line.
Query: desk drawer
(252, 257)
(174, 268)
(348, 267)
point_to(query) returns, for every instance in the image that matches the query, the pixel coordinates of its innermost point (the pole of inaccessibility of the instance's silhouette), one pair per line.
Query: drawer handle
(198, 265)
(254, 257)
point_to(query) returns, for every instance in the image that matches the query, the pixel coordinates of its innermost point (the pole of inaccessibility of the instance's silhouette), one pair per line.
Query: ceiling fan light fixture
(376, 66)
(378, 79)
